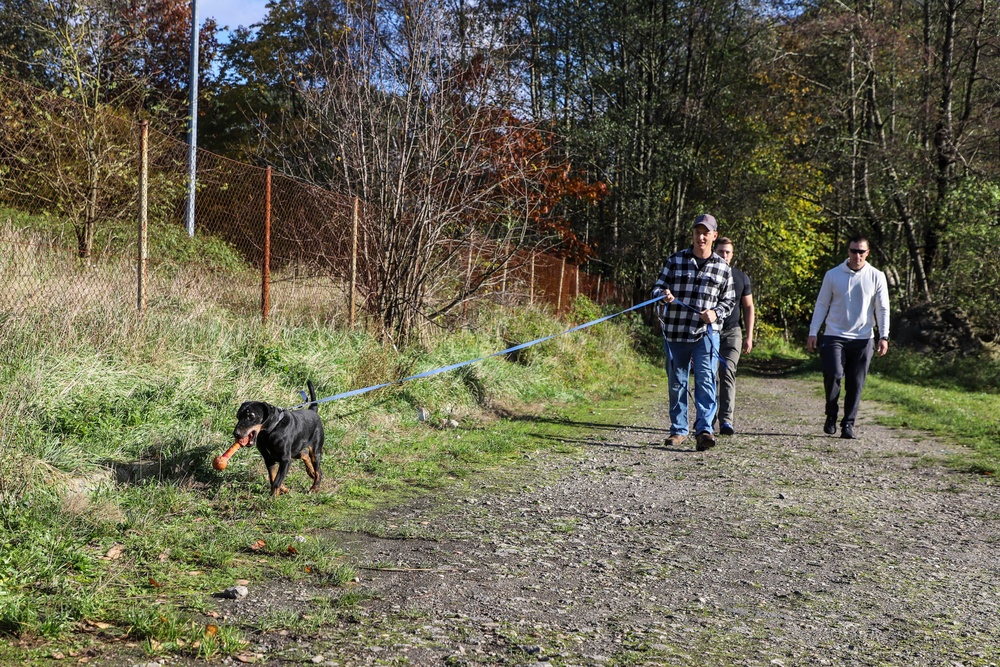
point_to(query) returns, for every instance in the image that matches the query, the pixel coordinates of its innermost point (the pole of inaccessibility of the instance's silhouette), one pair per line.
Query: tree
(905, 119)
(409, 108)
(652, 97)
(259, 67)
(104, 56)
(20, 39)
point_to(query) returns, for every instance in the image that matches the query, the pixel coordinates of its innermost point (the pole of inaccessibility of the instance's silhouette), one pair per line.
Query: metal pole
(531, 282)
(354, 260)
(193, 120)
(562, 274)
(265, 279)
(143, 215)
(503, 281)
(468, 280)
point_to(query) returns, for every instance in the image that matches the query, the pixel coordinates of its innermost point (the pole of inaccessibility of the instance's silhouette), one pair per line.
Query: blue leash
(436, 371)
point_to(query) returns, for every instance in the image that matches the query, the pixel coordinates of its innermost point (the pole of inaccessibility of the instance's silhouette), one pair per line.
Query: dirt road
(782, 546)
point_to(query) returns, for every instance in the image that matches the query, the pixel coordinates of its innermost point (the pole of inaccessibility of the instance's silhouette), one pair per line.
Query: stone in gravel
(233, 593)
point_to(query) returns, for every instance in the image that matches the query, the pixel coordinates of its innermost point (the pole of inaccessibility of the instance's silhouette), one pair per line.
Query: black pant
(848, 359)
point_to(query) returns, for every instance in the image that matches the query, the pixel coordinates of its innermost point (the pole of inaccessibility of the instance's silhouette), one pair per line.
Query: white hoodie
(852, 303)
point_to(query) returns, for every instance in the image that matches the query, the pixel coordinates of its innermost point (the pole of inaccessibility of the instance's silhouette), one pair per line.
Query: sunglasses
(857, 251)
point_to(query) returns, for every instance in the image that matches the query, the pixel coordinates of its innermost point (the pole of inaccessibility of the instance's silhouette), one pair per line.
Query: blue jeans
(700, 358)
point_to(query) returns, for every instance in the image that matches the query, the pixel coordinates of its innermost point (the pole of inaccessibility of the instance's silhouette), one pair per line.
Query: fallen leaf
(154, 583)
(246, 657)
(243, 582)
(102, 626)
(58, 656)
(211, 630)
(163, 557)
(115, 552)
(292, 550)
(213, 614)
(308, 569)
(195, 573)
(258, 545)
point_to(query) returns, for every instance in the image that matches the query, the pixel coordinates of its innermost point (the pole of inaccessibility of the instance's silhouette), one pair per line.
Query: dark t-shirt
(741, 283)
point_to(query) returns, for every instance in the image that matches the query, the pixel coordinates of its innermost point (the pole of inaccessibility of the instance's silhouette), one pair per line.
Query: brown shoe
(705, 440)
(675, 440)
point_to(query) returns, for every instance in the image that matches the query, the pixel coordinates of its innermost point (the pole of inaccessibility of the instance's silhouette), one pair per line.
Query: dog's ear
(272, 415)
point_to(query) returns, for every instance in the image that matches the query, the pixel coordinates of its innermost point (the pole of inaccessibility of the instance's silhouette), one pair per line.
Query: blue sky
(232, 13)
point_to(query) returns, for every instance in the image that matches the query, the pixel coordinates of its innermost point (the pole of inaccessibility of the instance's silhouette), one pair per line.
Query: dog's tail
(314, 406)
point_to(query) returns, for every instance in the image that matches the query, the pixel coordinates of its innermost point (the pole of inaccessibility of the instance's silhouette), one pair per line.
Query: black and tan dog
(282, 435)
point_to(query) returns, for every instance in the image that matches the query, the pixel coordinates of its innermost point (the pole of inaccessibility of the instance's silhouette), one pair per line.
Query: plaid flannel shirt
(710, 287)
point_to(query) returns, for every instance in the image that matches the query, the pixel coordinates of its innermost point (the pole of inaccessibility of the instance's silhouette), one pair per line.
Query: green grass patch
(954, 399)
(964, 417)
(115, 528)
(957, 399)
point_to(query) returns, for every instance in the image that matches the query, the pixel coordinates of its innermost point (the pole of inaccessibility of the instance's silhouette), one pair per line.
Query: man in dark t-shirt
(736, 336)
(701, 284)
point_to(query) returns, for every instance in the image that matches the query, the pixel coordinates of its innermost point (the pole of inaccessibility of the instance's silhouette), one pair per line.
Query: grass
(954, 399)
(114, 528)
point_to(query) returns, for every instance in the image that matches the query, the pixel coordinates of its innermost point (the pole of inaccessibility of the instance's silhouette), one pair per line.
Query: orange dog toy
(220, 462)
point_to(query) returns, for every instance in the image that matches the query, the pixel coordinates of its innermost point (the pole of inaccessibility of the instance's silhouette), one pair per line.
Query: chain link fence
(92, 207)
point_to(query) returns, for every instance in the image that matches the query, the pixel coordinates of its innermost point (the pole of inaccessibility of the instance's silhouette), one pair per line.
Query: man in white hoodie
(853, 300)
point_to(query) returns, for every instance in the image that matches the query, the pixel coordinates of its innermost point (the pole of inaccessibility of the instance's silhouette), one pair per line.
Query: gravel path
(782, 546)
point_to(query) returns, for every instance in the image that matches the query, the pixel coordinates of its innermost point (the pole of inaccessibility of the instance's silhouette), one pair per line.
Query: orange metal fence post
(265, 280)
(468, 281)
(531, 283)
(354, 262)
(562, 274)
(503, 280)
(143, 253)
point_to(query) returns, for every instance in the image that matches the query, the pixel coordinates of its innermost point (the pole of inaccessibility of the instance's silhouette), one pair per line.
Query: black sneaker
(705, 440)
(830, 427)
(726, 429)
(847, 432)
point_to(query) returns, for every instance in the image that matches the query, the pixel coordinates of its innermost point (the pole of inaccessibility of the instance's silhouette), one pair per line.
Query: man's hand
(665, 293)
(811, 344)
(883, 347)
(747, 344)
(709, 316)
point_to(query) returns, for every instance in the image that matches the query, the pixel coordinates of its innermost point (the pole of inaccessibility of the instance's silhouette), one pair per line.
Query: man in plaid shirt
(697, 286)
